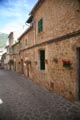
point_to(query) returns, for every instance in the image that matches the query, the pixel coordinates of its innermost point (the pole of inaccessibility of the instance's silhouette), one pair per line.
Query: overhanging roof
(15, 44)
(29, 19)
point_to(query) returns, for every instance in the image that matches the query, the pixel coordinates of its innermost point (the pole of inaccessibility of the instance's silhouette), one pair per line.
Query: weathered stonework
(59, 18)
(61, 24)
(15, 57)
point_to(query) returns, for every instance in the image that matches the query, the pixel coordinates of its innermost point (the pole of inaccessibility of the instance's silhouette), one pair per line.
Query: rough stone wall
(27, 39)
(17, 63)
(31, 37)
(59, 18)
(16, 57)
(63, 80)
(56, 77)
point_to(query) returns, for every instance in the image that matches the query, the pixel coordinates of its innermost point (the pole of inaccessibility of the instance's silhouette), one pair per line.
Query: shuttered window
(40, 25)
(26, 42)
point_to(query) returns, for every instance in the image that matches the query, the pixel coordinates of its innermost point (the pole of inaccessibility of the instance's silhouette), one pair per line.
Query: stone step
(77, 104)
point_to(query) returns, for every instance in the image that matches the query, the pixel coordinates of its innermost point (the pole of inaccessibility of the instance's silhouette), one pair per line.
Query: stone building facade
(25, 40)
(10, 40)
(52, 52)
(16, 57)
(6, 65)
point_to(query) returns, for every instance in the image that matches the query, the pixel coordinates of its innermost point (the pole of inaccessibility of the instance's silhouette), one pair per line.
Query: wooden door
(42, 59)
(78, 66)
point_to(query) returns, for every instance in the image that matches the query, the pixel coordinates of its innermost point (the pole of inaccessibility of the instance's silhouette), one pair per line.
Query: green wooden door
(42, 59)
(78, 66)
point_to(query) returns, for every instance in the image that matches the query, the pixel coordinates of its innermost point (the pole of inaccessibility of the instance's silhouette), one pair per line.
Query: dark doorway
(14, 66)
(42, 59)
(78, 69)
(28, 69)
(21, 65)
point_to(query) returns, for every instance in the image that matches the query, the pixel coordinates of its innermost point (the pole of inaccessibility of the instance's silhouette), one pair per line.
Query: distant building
(1, 51)
(3, 40)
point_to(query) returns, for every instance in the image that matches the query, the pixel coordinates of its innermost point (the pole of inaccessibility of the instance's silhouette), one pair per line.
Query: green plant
(11, 62)
(67, 63)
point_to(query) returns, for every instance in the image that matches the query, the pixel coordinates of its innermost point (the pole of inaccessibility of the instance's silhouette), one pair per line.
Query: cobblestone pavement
(24, 100)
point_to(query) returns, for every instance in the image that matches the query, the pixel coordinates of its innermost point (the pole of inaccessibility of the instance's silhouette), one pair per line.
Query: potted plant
(67, 63)
(28, 62)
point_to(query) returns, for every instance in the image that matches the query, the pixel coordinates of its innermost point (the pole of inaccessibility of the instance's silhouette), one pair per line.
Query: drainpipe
(35, 39)
(34, 32)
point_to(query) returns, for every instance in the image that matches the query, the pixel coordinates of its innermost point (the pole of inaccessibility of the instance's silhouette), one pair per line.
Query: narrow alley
(22, 99)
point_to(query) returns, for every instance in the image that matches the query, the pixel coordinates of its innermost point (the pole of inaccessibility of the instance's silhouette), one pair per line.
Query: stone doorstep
(77, 104)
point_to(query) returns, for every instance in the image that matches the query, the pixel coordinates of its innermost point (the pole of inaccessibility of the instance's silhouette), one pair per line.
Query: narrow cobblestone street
(24, 100)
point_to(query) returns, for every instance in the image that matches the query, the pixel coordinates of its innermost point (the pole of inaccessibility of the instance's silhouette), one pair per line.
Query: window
(26, 42)
(18, 49)
(10, 50)
(40, 25)
(42, 59)
(20, 45)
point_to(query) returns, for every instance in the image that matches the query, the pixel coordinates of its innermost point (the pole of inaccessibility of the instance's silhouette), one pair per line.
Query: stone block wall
(59, 18)
(55, 77)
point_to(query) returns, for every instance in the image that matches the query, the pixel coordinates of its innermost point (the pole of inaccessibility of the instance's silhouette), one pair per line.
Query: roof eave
(24, 32)
(35, 6)
(29, 20)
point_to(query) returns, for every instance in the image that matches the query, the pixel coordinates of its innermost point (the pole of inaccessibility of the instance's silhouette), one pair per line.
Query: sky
(14, 13)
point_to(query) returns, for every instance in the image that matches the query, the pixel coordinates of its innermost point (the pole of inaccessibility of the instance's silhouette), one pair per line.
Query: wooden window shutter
(40, 25)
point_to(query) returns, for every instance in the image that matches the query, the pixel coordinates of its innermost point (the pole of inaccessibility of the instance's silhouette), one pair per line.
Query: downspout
(35, 40)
